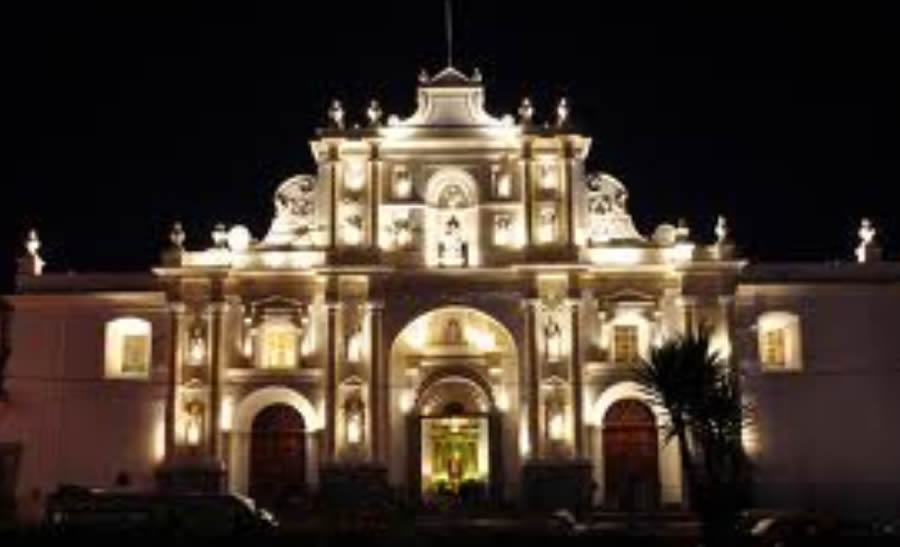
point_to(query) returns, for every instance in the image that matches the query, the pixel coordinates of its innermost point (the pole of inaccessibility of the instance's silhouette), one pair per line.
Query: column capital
(374, 306)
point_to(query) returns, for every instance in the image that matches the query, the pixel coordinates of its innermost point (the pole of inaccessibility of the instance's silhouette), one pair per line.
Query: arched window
(780, 346)
(128, 348)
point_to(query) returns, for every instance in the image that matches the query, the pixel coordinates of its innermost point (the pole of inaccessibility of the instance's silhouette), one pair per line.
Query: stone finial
(721, 230)
(868, 250)
(682, 232)
(374, 113)
(220, 236)
(562, 112)
(31, 263)
(423, 76)
(336, 114)
(177, 236)
(476, 75)
(526, 111)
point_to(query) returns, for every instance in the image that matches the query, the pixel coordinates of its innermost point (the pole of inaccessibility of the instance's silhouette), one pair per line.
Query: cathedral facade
(450, 303)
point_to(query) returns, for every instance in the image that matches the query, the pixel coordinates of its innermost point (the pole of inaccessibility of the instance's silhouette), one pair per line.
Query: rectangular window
(280, 349)
(773, 347)
(135, 351)
(625, 344)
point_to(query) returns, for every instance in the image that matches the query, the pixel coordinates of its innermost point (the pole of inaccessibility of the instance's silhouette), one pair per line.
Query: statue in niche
(452, 249)
(294, 212)
(552, 340)
(354, 344)
(453, 334)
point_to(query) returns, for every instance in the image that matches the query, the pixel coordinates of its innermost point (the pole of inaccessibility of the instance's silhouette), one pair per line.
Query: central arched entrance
(630, 455)
(278, 456)
(454, 372)
(456, 416)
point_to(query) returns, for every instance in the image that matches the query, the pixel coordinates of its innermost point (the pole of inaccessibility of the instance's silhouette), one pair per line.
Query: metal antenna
(448, 21)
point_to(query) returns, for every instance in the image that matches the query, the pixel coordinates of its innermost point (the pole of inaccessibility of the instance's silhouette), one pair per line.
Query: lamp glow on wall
(355, 175)
(402, 185)
(502, 231)
(504, 185)
(354, 422)
(353, 230)
(547, 226)
(406, 400)
(197, 348)
(556, 425)
(548, 177)
(501, 397)
(226, 416)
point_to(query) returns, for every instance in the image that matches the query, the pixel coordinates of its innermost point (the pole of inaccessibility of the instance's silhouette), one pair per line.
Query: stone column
(217, 350)
(528, 193)
(333, 206)
(376, 388)
(577, 379)
(533, 378)
(568, 186)
(374, 191)
(330, 382)
(176, 358)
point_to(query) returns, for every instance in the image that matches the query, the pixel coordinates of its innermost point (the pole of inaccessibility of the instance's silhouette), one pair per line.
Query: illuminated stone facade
(451, 298)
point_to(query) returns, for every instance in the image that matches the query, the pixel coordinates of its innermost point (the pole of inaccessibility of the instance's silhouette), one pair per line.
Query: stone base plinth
(353, 487)
(550, 485)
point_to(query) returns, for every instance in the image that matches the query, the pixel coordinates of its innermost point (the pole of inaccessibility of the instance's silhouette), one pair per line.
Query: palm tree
(706, 416)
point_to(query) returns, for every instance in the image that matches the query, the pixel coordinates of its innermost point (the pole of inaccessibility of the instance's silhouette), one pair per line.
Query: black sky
(125, 120)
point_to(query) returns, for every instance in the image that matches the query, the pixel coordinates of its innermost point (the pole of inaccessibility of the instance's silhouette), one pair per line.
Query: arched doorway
(278, 456)
(456, 420)
(454, 411)
(631, 456)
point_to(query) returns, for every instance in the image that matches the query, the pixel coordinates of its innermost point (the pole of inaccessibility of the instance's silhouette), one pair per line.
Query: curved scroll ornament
(608, 211)
(294, 212)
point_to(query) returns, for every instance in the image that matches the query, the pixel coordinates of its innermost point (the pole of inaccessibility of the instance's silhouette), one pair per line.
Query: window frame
(116, 333)
(281, 327)
(614, 353)
(788, 323)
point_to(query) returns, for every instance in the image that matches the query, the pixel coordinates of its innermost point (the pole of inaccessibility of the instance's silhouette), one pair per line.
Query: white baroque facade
(450, 300)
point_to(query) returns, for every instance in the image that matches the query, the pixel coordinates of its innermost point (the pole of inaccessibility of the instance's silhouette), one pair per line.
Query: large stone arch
(244, 413)
(670, 476)
(489, 363)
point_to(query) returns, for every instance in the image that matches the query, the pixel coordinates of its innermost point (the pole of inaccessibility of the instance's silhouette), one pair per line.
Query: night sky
(123, 121)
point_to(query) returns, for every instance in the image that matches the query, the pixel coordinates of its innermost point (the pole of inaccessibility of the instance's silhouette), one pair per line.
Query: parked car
(182, 515)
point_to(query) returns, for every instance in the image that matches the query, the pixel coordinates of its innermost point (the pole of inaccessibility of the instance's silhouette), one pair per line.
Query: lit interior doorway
(455, 455)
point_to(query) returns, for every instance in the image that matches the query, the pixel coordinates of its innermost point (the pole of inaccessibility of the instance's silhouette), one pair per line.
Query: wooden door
(277, 456)
(631, 457)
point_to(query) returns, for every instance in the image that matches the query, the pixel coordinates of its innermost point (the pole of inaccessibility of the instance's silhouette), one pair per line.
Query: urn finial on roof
(868, 250)
(31, 263)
